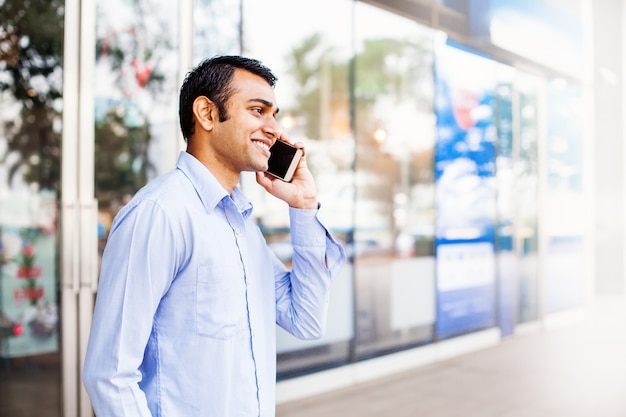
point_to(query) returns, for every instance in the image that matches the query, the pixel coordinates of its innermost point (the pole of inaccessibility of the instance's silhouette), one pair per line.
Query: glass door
(135, 100)
(31, 99)
(120, 131)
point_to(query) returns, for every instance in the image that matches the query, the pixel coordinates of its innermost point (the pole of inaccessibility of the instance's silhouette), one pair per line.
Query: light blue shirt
(189, 298)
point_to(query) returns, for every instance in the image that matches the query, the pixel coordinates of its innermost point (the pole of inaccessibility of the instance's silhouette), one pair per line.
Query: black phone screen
(281, 157)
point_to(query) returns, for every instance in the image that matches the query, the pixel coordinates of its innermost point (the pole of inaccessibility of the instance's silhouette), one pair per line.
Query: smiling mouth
(262, 145)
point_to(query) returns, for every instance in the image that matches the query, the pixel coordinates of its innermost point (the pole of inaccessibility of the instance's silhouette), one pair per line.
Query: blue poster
(465, 191)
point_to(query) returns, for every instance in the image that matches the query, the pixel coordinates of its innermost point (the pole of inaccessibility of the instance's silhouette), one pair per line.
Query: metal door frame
(78, 248)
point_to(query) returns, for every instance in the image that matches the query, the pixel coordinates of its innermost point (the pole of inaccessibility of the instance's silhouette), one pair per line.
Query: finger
(300, 145)
(262, 179)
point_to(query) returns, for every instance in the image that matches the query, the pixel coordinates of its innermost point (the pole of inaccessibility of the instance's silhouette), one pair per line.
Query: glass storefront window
(528, 92)
(394, 212)
(217, 27)
(564, 204)
(506, 259)
(465, 162)
(136, 100)
(310, 53)
(31, 85)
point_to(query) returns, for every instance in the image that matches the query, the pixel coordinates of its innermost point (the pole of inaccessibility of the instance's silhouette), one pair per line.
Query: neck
(224, 176)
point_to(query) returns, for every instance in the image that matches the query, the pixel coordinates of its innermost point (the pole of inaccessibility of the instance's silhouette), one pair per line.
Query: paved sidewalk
(576, 370)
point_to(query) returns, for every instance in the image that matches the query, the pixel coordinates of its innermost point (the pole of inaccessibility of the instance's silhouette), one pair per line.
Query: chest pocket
(220, 301)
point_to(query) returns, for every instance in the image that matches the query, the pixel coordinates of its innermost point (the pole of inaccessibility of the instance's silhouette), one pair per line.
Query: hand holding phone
(283, 160)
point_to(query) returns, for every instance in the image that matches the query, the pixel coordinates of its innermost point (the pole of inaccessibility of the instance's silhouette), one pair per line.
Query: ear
(205, 112)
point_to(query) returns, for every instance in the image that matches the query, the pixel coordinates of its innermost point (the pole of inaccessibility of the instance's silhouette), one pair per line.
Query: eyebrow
(266, 103)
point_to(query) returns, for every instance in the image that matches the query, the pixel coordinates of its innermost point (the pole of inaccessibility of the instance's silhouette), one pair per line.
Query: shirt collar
(208, 188)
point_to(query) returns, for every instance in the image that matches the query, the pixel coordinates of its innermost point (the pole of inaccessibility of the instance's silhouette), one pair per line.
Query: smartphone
(283, 160)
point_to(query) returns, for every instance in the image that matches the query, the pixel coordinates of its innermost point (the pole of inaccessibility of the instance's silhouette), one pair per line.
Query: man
(189, 292)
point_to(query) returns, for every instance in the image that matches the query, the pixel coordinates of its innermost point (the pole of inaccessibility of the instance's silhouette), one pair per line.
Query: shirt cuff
(306, 227)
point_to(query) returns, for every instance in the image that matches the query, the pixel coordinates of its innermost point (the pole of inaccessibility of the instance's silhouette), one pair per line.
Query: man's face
(242, 142)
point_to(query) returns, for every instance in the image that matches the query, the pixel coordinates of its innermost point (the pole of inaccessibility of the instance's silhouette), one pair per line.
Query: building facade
(470, 153)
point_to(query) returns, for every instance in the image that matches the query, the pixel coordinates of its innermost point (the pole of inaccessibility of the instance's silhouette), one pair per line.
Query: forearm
(304, 292)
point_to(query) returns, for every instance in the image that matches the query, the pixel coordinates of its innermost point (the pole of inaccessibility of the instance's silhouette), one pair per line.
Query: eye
(258, 110)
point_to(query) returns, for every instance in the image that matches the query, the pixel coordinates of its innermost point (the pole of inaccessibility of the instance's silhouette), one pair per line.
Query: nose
(271, 129)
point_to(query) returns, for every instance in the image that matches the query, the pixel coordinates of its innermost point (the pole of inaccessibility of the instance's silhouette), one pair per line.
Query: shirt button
(237, 230)
(319, 240)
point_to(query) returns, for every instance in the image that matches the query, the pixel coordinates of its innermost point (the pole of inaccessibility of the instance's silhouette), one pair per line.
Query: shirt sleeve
(303, 293)
(137, 267)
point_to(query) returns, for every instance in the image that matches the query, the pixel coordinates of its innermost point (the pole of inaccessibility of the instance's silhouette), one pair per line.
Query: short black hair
(212, 79)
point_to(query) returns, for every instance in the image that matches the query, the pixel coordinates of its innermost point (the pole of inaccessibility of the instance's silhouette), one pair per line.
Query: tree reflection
(322, 88)
(31, 42)
(384, 95)
(385, 69)
(130, 51)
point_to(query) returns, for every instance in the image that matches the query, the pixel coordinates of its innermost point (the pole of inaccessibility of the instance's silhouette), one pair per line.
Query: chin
(258, 169)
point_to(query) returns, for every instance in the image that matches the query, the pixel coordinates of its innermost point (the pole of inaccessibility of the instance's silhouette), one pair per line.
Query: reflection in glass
(394, 222)
(506, 259)
(217, 28)
(135, 99)
(564, 265)
(527, 197)
(310, 53)
(31, 75)
(466, 189)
